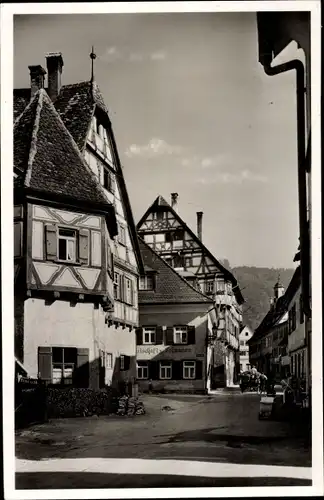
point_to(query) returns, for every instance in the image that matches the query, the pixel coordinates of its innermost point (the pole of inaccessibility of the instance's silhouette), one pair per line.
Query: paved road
(221, 430)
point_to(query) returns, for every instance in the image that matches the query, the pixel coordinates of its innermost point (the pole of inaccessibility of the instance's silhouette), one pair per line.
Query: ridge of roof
(33, 144)
(226, 272)
(204, 298)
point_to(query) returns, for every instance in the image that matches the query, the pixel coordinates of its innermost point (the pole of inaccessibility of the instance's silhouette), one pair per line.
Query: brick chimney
(37, 78)
(199, 224)
(55, 64)
(174, 201)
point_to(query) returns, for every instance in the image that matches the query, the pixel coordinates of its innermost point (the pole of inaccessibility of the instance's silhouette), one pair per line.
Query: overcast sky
(193, 112)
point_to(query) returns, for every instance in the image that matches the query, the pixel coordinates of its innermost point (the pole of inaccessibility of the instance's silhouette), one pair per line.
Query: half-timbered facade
(176, 321)
(77, 257)
(167, 234)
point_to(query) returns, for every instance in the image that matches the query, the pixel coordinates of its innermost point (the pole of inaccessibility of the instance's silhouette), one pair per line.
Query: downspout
(301, 154)
(298, 66)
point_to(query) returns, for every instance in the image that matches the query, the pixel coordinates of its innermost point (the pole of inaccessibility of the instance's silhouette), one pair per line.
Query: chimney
(199, 224)
(37, 77)
(174, 201)
(54, 63)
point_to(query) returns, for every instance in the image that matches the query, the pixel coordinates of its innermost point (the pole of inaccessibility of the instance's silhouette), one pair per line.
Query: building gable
(164, 230)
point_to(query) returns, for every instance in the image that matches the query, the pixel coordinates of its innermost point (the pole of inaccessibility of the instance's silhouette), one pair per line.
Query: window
(148, 238)
(146, 283)
(189, 369)
(178, 261)
(117, 288)
(293, 317)
(301, 311)
(160, 215)
(64, 360)
(121, 234)
(142, 370)
(67, 244)
(108, 180)
(169, 261)
(149, 335)
(165, 370)
(109, 360)
(209, 287)
(128, 291)
(178, 235)
(248, 366)
(220, 287)
(188, 261)
(180, 335)
(242, 342)
(246, 334)
(122, 362)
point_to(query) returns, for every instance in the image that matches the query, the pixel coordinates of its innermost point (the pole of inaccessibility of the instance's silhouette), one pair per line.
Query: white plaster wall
(81, 326)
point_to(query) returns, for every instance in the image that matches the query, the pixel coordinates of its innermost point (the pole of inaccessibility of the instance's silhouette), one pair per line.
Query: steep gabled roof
(170, 286)
(161, 202)
(46, 158)
(279, 309)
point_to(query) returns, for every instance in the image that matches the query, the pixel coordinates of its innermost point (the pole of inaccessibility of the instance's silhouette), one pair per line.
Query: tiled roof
(46, 157)
(279, 309)
(21, 98)
(75, 104)
(160, 201)
(170, 286)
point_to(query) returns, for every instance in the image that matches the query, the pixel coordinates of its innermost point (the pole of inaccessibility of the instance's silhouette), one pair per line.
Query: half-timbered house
(166, 233)
(176, 321)
(77, 257)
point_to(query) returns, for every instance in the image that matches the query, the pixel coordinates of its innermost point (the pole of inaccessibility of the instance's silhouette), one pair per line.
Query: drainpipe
(298, 66)
(301, 153)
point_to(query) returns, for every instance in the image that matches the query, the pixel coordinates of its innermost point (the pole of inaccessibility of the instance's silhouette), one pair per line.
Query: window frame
(145, 286)
(182, 329)
(121, 234)
(122, 362)
(129, 290)
(187, 365)
(109, 360)
(165, 365)
(151, 331)
(142, 367)
(117, 286)
(62, 366)
(74, 239)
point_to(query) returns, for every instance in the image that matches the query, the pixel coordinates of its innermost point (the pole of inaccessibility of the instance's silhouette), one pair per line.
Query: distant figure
(263, 382)
(150, 385)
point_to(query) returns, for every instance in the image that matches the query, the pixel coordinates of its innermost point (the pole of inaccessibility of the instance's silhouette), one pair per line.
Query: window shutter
(177, 370)
(169, 335)
(84, 246)
(139, 336)
(199, 367)
(154, 370)
(18, 239)
(159, 335)
(122, 288)
(45, 363)
(51, 242)
(191, 335)
(82, 370)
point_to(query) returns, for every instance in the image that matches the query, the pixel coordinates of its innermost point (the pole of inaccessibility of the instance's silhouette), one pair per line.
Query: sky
(194, 113)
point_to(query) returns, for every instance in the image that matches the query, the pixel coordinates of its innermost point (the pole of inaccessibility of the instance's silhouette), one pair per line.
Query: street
(181, 441)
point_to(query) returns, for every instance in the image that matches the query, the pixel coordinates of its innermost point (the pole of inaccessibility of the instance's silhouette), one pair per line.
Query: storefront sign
(166, 351)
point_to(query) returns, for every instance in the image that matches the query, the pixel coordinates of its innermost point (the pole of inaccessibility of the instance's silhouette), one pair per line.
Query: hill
(256, 284)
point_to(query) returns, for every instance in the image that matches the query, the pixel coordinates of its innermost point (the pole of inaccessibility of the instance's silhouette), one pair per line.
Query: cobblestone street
(219, 430)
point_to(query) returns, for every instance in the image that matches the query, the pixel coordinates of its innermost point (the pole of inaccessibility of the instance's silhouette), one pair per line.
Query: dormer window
(146, 282)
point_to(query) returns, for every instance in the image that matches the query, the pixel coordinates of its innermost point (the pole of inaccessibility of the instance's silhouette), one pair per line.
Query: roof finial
(92, 57)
